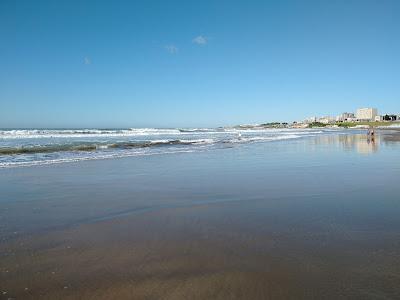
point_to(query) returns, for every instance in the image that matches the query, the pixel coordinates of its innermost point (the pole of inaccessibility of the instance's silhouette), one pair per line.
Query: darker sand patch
(203, 252)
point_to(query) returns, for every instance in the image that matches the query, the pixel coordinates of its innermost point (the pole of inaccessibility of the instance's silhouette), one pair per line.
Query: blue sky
(194, 63)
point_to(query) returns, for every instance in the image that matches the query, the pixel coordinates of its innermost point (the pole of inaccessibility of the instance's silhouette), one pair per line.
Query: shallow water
(314, 217)
(30, 147)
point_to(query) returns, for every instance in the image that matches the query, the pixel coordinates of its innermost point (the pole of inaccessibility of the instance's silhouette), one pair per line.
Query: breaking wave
(95, 146)
(29, 147)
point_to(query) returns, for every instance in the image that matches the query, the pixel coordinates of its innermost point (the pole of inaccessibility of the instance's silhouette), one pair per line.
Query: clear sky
(194, 63)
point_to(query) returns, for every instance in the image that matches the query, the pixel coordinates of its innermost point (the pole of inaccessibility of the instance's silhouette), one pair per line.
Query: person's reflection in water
(371, 135)
(371, 146)
(373, 138)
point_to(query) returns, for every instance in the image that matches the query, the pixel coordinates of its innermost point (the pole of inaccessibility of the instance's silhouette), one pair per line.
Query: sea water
(29, 147)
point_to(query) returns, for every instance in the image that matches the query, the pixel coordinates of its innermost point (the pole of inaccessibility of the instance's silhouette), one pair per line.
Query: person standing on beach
(370, 132)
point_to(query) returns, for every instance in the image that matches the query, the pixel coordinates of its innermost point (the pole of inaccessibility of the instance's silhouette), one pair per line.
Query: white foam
(88, 158)
(93, 133)
(106, 140)
(390, 126)
(69, 133)
(199, 141)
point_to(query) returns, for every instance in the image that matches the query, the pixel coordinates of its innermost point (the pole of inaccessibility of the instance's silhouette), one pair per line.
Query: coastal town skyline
(368, 114)
(362, 114)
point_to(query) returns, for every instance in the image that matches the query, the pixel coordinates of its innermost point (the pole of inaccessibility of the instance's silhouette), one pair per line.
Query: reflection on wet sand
(360, 143)
(390, 136)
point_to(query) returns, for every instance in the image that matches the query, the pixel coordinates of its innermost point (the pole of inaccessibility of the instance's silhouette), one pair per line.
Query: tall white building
(366, 114)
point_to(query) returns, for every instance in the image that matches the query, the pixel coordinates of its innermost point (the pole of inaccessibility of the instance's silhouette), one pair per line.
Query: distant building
(390, 118)
(345, 117)
(378, 118)
(310, 120)
(326, 120)
(366, 114)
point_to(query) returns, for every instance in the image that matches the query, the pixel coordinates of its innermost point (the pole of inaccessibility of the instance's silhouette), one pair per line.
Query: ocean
(27, 147)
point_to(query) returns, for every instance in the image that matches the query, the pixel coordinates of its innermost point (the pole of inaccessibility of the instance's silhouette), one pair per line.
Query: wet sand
(308, 219)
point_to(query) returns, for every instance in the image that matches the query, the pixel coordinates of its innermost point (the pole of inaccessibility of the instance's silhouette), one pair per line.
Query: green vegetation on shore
(352, 124)
(274, 125)
(373, 124)
(317, 124)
